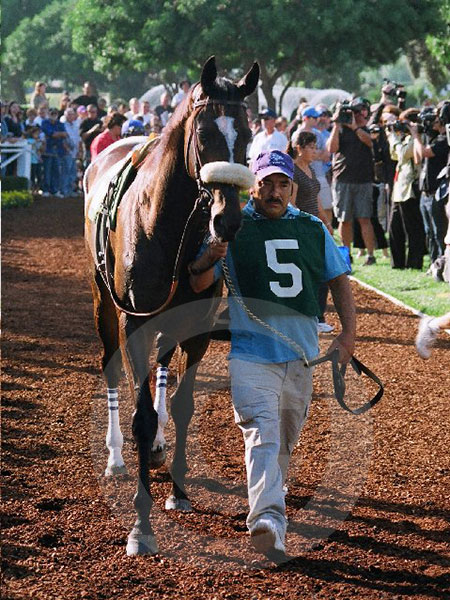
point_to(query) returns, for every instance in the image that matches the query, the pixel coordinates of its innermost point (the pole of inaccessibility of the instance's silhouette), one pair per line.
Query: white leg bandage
(160, 406)
(114, 437)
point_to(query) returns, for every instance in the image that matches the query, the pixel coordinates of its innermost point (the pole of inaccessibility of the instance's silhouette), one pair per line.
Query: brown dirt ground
(368, 497)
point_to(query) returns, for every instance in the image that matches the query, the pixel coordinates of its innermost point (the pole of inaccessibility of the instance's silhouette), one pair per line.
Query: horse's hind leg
(136, 341)
(182, 409)
(106, 322)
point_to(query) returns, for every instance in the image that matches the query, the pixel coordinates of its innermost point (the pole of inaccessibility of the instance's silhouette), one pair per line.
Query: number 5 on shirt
(286, 268)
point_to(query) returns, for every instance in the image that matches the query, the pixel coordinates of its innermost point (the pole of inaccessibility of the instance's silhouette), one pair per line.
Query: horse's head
(217, 135)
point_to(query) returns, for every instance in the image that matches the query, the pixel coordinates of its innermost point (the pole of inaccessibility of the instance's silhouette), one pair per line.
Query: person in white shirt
(146, 112)
(181, 95)
(269, 138)
(133, 113)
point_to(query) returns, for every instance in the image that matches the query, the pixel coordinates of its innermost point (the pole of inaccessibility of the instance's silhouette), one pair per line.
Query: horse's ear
(247, 85)
(209, 74)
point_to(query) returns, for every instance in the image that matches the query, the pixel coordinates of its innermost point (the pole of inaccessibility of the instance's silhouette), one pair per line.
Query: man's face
(361, 117)
(146, 107)
(53, 115)
(269, 124)
(70, 115)
(92, 113)
(272, 195)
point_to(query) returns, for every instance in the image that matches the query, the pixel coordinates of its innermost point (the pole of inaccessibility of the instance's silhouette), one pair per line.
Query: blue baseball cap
(272, 161)
(268, 113)
(133, 124)
(310, 111)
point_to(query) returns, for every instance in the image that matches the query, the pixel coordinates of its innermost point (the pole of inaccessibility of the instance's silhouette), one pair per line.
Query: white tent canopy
(290, 101)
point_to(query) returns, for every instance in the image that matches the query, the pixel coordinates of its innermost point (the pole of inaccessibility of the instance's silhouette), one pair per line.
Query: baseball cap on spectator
(311, 112)
(133, 125)
(81, 110)
(322, 109)
(272, 161)
(268, 113)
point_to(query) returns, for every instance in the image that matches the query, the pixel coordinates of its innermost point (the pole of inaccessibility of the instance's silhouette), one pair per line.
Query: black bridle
(205, 198)
(203, 203)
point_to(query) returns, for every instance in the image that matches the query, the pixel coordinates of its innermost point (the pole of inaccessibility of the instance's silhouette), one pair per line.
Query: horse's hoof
(139, 543)
(182, 504)
(157, 457)
(116, 470)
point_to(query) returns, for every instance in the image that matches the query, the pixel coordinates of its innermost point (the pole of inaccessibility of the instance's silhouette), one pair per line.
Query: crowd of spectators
(371, 171)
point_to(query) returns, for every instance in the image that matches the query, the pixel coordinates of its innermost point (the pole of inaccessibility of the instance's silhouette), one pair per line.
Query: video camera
(398, 127)
(345, 114)
(393, 89)
(426, 118)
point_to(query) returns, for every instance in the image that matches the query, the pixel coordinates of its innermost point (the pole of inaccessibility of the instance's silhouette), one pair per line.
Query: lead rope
(240, 301)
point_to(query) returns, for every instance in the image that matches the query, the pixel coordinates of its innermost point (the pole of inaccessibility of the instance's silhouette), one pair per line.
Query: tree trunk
(15, 89)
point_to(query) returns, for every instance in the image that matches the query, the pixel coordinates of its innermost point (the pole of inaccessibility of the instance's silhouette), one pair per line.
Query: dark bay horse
(188, 183)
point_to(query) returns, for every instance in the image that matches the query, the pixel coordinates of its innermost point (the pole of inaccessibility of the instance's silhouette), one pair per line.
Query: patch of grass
(413, 287)
(16, 198)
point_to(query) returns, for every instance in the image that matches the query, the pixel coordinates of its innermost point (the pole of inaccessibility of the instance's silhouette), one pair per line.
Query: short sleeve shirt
(251, 341)
(353, 162)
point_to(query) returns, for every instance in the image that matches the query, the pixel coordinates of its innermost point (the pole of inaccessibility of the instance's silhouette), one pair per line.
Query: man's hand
(201, 270)
(345, 343)
(217, 250)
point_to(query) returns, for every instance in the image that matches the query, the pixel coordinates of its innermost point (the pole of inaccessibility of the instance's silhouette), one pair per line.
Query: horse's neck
(175, 199)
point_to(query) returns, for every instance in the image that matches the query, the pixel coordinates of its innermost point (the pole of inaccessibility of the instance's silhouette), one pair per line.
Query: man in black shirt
(352, 168)
(89, 95)
(434, 157)
(89, 129)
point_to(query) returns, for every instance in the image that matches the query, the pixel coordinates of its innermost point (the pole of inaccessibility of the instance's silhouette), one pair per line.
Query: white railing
(20, 151)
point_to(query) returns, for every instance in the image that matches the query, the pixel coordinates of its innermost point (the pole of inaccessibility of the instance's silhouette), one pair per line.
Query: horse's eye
(202, 135)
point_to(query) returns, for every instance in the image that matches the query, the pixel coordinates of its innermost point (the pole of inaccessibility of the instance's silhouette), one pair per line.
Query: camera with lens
(393, 89)
(398, 127)
(374, 129)
(345, 114)
(427, 118)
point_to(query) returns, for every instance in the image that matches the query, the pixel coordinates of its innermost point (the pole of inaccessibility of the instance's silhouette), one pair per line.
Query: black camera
(374, 129)
(345, 114)
(398, 127)
(393, 89)
(426, 118)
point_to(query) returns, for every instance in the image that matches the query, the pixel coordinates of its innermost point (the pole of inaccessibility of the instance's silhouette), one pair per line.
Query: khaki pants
(271, 403)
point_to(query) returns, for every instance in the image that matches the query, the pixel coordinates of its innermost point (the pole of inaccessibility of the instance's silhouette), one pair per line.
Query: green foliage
(439, 42)
(16, 198)
(11, 182)
(413, 287)
(42, 45)
(13, 12)
(286, 37)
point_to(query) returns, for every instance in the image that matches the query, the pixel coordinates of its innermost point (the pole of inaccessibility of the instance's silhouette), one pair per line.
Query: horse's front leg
(182, 409)
(166, 348)
(136, 340)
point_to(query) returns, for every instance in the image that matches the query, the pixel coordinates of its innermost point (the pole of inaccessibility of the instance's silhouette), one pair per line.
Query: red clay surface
(368, 500)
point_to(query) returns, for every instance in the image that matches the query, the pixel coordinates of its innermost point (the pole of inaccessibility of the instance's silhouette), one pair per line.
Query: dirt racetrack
(369, 497)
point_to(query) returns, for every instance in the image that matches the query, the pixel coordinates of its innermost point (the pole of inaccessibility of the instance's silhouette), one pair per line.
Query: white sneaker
(266, 539)
(324, 327)
(426, 336)
(45, 194)
(59, 195)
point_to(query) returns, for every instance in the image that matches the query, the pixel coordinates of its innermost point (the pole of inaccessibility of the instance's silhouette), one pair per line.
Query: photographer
(405, 224)
(352, 168)
(390, 92)
(432, 156)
